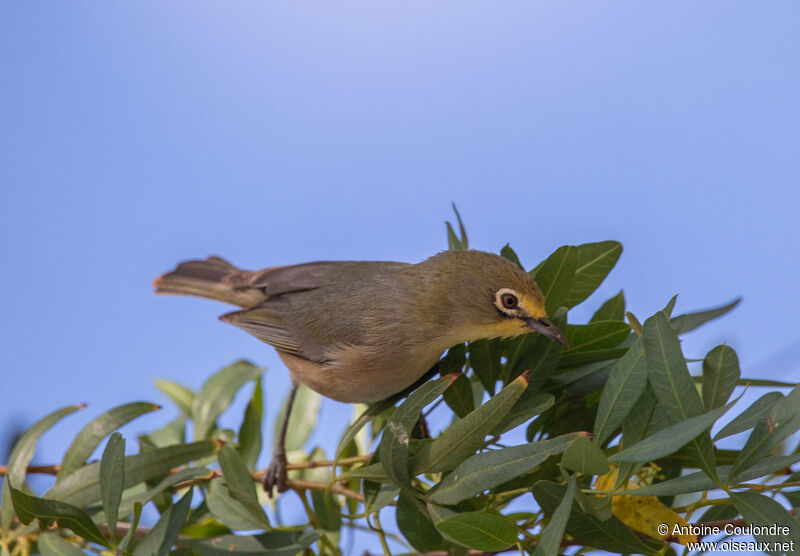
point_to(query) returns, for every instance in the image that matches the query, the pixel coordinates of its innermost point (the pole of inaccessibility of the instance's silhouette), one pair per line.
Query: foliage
(542, 447)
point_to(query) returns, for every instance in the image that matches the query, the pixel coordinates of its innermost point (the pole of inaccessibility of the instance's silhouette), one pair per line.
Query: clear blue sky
(136, 135)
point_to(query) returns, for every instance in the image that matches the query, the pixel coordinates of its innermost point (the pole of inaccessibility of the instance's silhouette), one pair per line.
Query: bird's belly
(359, 374)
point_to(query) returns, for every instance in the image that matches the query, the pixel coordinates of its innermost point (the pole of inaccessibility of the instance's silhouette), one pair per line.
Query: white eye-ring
(506, 299)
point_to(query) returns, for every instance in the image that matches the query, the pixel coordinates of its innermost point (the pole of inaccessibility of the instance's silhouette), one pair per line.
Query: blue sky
(136, 135)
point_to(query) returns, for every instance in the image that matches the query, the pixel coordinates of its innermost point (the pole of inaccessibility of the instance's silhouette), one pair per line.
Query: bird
(362, 331)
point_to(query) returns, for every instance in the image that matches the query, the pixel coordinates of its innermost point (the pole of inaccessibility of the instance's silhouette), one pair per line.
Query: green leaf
(82, 487)
(691, 321)
(416, 526)
(126, 540)
(528, 406)
(217, 393)
(112, 477)
(180, 395)
(170, 434)
(673, 385)
(250, 431)
(21, 456)
(550, 540)
(240, 483)
(626, 381)
(131, 500)
(480, 530)
(720, 374)
(92, 434)
(598, 335)
(326, 510)
(65, 515)
(670, 439)
(590, 356)
(751, 416)
(612, 309)
(699, 481)
(536, 353)
(230, 511)
(53, 544)
(484, 358)
(667, 310)
(160, 539)
(465, 436)
(303, 419)
(459, 397)
(556, 275)
(758, 509)
(595, 261)
(585, 457)
(393, 449)
(508, 253)
(271, 543)
(377, 496)
(369, 414)
(488, 469)
(610, 535)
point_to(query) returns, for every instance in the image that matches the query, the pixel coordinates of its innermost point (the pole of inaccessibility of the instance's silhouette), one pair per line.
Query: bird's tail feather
(209, 278)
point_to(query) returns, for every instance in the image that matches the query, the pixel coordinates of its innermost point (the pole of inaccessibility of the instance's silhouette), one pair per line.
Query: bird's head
(489, 296)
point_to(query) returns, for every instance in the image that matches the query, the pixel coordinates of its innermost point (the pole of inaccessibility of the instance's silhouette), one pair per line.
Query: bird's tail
(212, 278)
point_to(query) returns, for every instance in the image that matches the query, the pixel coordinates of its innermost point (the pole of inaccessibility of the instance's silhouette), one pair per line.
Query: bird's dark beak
(545, 327)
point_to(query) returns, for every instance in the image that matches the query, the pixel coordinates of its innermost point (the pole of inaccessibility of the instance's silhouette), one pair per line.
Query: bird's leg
(276, 472)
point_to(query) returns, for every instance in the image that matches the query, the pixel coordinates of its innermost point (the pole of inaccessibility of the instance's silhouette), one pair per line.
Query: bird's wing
(266, 324)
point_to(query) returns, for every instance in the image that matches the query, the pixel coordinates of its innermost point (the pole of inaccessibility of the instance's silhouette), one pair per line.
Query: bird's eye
(508, 300)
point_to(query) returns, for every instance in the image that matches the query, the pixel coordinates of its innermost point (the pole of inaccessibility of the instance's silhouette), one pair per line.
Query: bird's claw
(275, 475)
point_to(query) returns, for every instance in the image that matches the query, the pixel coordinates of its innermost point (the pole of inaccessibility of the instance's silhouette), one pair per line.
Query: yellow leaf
(645, 513)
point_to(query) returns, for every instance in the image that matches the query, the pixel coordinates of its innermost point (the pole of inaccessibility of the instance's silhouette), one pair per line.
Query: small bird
(361, 331)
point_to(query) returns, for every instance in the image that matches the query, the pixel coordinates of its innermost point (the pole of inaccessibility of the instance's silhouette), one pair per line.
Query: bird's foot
(275, 475)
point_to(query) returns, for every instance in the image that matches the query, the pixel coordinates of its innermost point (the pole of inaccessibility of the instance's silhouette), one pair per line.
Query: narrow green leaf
(368, 415)
(552, 535)
(377, 496)
(480, 530)
(751, 416)
(303, 419)
(230, 511)
(161, 537)
(484, 358)
(53, 544)
(461, 229)
(130, 500)
(585, 457)
(179, 394)
(590, 356)
(508, 253)
(240, 483)
(528, 406)
(21, 456)
(112, 477)
(217, 393)
(556, 275)
(488, 469)
(65, 515)
(93, 433)
(691, 321)
(416, 526)
(594, 262)
(667, 310)
(673, 385)
(250, 431)
(720, 374)
(126, 540)
(612, 309)
(670, 439)
(393, 449)
(326, 510)
(699, 481)
(603, 334)
(271, 543)
(82, 487)
(464, 437)
(626, 381)
(170, 434)
(610, 535)
(459, 396)
(758, 509)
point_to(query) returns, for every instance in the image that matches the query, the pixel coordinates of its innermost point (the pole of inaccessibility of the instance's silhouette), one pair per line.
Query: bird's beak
(545, 327)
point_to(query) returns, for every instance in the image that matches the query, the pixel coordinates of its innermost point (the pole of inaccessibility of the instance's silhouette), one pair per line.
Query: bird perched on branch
(363, 331)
